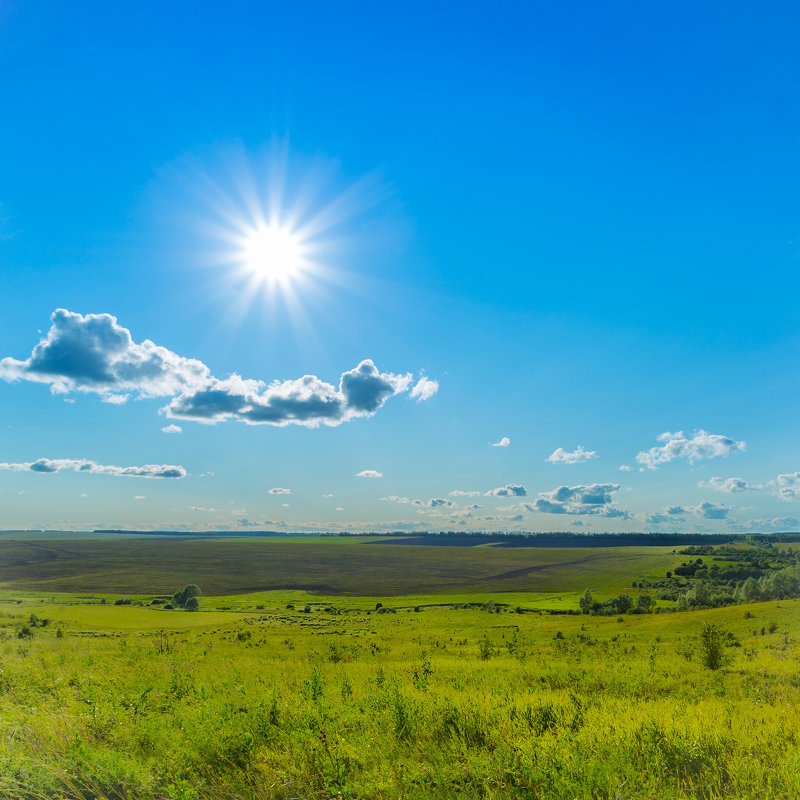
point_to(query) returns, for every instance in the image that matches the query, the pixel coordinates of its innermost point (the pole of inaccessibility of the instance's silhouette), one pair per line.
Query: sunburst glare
(272, 252)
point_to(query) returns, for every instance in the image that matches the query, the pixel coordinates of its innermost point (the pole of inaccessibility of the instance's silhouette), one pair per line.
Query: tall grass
(439, 704)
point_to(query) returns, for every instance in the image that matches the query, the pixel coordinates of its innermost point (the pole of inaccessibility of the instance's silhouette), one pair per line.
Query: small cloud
(594, 499)
(279, 490)
(139, 497)
(729, 485)
(369, 473)
(84, 495)
(509, 490)
(434, 502)
(577, 456)
(328, 495)
(424, 389)
(504, 442)
(393, 498)
(201, 508)
(51, 465)
(172, 429)
(338, 508)
(625, 468)
(788, 485)
(285, 505)
(702, 445)
(711, 511)
(462, 493)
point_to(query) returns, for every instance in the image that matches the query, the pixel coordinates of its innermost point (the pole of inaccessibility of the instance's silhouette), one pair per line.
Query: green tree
(644, 604)
(183, 596)
(586, 602)
(622, 603)
(192, 604)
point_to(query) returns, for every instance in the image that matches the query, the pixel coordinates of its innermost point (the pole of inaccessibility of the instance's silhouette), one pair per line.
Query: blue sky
(532, 244)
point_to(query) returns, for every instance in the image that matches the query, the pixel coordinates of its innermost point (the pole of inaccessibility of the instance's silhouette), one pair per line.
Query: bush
(711, 646)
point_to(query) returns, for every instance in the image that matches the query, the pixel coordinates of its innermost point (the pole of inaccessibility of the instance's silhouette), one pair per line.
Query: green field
(326, 566)
(454, 687)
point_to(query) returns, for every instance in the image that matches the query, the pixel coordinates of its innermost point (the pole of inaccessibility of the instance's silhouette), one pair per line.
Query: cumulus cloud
(393, 498)
(577, 456)
(306, 401)
(434, 502)
(700, 446)
(94, 354)
(504, 442)
(424, 389)
(462, 493)
(369, 473)
(50, 465)
(729, 485)
(509, 490)
(625, 468)
(592, 499)
(172, 429)
(788, 486)
(279, 490)
(710, 511)
(675, 511)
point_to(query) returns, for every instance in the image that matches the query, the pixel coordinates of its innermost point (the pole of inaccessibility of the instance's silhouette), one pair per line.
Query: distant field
(327, 566)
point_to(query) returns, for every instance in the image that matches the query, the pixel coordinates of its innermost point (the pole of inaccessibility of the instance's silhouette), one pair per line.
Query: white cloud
(338, 508)
(393, 498)
(592, 499)
(710, 511)
(172, 429)
(462, 493)
(624, 468)
(561, 456)
(424, 389)
(788, 485)
(504, 442)
(509, 490)
(139, 497)
(328, 495)
(776, 524)
(729, 485)
(702, 445)
(279, 490)
(94, 354)
(369, 473)
(49, 465)
(434, 502)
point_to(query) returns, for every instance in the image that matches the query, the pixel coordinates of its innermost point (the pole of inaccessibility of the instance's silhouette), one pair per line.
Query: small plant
(711, 646)
(485, 648)
(773, 627)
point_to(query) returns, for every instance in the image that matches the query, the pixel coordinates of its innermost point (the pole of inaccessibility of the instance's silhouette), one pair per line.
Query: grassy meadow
(423, 685)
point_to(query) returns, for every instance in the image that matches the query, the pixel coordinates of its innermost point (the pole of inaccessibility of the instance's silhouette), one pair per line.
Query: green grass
(250, 699)
(274, 703)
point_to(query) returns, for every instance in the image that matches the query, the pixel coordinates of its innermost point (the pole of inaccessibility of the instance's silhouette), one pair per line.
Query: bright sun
(272, 252)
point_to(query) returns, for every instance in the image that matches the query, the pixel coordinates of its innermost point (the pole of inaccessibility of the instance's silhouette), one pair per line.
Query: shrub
(711, 646)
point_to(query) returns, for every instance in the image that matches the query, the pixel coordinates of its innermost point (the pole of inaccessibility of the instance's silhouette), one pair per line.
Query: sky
(368, 267)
